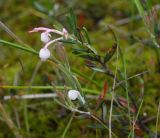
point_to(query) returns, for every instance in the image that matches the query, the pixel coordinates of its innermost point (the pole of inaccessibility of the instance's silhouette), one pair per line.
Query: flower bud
(65, 33)
(73, 94)
(44, 54)
(45, 37)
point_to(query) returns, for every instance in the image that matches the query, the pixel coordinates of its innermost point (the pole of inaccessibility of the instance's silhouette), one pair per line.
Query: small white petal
(44, 54)
(73, 94)
(45, 37)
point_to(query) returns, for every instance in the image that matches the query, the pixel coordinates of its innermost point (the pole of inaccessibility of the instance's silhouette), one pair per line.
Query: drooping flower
(44, 54)
(45, 37)
(74, 94)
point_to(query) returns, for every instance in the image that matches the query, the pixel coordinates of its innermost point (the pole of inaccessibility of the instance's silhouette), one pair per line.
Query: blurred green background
(47, 119)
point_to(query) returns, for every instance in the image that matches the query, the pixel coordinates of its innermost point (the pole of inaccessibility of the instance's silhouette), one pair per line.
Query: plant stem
(46, 87)
(68, 125)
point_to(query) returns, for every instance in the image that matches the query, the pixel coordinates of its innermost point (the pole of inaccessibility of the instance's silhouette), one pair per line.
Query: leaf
(98, 70)
(89, 57)
(86, 35)
(84, 53)
(83, 116)
(91, 48)
(101, 97)
(79, 51)
(27, 49)
(123, 102)
(110, 53)
(80, 35)
(69, 41)
(72, 21)
(90, 64)
(67, 76)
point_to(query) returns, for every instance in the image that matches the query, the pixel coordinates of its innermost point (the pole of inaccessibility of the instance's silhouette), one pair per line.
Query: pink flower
(45, 37)
(44, 53)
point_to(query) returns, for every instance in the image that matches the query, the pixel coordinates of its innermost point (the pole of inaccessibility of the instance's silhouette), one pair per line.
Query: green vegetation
(110, 54)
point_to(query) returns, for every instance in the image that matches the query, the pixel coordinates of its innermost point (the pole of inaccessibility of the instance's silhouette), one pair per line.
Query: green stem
(47, 87)
(68, 125)
(142, 13)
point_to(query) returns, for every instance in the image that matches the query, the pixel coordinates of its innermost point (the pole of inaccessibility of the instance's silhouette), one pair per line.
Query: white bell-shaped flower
(44, 54)
(45, 37)
(73, 94)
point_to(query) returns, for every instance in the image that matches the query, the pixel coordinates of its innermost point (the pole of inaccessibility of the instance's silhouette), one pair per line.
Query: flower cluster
(44, 52)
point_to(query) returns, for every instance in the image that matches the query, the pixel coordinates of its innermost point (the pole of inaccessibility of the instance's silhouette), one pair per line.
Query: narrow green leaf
(67, 126)
(6, 43)
(79, 50)
(90, 57)
(86, 35)
(98, 70)
(69, 41)
(72, 21)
